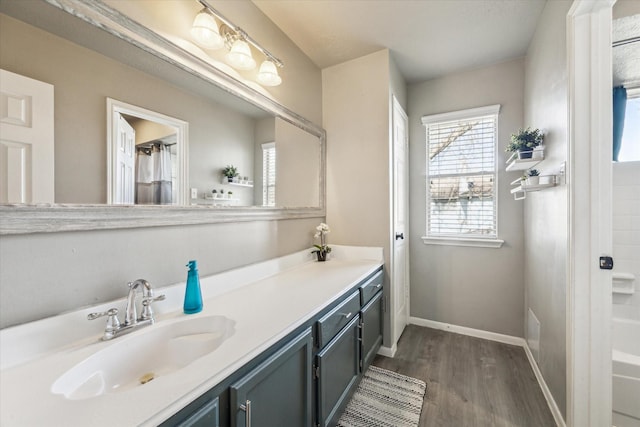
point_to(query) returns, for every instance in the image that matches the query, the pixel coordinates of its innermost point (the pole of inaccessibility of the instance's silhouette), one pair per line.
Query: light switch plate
(194, 193)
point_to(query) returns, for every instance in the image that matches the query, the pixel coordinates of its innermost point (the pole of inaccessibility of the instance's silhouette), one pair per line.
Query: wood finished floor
(471, 382)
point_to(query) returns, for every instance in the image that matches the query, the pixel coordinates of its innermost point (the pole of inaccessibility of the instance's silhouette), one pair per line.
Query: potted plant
(322, 250)
(215, 193)
(524, 142)
(230, 172)
(230, 194)
(533, 177)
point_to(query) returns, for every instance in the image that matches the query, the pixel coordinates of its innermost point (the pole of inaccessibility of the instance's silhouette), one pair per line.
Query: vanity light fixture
(237, 41)
(268, 74)
(205, 30)
(239, 57)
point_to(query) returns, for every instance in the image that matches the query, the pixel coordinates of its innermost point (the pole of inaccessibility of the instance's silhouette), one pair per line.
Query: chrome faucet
(131, 320)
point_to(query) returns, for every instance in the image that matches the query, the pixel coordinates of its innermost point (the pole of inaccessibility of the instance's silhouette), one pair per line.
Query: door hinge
(316, 372)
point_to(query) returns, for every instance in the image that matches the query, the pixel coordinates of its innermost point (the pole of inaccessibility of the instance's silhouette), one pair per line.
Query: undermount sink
(132, 361)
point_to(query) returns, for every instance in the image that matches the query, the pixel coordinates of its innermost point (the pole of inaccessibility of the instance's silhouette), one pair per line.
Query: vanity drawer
(331, 323)
(370, 288)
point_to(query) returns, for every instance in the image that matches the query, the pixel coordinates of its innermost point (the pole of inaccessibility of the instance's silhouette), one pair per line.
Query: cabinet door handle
(247, 413)
(379, 285)
(347, 315)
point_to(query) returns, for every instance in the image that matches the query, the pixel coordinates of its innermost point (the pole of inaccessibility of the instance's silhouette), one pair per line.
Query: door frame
(589, 296)
(114, 108)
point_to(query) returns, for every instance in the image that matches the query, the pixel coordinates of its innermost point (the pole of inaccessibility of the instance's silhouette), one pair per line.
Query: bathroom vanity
(283, 342)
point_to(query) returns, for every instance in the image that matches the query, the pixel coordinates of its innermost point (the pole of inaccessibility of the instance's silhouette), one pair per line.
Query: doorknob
(399, 236)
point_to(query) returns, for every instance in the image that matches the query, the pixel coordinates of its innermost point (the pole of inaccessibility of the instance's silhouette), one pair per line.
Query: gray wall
(545, 215)
(45, 274)
(479, 288)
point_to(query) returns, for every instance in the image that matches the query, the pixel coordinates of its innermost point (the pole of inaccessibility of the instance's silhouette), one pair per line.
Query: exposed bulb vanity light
(240, 56)
(268, 74)
(207, 33)
(205, 30)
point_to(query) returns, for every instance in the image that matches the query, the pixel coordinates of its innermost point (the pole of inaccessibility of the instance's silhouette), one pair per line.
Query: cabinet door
(338, 369)
(278, 391)
(371, 330)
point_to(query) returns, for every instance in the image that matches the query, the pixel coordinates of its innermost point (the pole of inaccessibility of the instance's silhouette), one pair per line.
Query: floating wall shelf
(516, 164)
(520, 191)
(224, 180)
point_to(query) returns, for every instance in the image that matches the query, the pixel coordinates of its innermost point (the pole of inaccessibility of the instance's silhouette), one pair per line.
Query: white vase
(533, 180)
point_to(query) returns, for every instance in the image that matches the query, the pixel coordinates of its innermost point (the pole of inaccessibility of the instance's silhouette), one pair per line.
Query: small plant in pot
(322, 250)
(215, 193)
(230, 172)
(230, 194)
(524, 142)
(533, 177)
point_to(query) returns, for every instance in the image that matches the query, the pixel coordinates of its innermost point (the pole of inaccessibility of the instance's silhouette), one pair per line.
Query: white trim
(461, 114)
(505, 339)
(388, 351)
(553, 406)
(457, 241)
(589, 298)
(463, 330)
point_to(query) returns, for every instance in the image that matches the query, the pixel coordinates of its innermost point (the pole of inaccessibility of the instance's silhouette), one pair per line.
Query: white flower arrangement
(321, 231)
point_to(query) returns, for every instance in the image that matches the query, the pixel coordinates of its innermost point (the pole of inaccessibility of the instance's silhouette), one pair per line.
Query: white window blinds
(461, 174)
(269, 174)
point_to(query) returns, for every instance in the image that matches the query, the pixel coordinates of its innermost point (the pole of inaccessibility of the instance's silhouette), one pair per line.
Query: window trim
(267, 146)
(490, 242)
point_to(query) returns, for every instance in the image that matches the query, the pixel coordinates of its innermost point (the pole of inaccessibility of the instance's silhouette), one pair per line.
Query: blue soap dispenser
(192, 295)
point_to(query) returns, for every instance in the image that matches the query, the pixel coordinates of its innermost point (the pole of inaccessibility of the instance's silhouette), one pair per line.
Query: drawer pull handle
(347, 315)
(247, 413)
(379, 285)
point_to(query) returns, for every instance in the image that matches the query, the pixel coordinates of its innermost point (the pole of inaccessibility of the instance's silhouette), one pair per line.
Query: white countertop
(267, 301)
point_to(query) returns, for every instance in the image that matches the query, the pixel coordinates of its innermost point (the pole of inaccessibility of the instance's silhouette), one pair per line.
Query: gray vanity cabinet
(278, 391)
(371, 330)
(337, 370)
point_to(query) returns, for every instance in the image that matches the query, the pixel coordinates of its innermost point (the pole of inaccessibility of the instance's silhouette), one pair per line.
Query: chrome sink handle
(113, 324)
(147, 312)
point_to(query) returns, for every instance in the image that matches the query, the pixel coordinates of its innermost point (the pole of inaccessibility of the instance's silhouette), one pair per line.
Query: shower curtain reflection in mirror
(154, 180)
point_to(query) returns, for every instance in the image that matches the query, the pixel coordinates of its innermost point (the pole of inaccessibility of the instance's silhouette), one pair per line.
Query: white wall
(479, 288)
(545, 215)
(626, 234)
(44, 274)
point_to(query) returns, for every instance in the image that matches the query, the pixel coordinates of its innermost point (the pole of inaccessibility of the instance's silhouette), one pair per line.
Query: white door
(125, 162)
(400, 259)
(26, 140)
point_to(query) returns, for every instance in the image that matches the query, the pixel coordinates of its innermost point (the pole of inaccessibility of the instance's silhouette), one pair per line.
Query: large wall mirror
(109, 74)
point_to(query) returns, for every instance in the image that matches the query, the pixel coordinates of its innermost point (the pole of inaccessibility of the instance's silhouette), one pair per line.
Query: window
(269, 174)
(630, 147)
(461, 177)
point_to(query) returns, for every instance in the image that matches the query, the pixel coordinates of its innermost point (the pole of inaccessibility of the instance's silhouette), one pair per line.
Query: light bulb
(205, 31)
(268, 74)
(240, 56)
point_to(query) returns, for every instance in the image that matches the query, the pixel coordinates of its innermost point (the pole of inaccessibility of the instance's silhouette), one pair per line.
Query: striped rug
(385, 399)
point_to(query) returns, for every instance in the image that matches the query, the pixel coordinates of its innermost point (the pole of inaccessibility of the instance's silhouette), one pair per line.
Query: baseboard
(555, 411)
(478, 333)
(506, 339)
(388, 351)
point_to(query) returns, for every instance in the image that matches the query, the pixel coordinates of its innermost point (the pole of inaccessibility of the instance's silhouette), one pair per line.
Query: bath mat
(385, 399)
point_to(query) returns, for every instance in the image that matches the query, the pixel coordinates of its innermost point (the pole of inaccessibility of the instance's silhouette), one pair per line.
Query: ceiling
(427, 38)
(626, 58)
